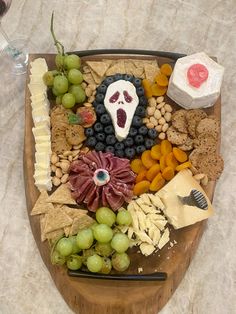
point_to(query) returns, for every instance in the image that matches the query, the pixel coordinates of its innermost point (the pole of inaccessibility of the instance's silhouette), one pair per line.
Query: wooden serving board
(90, 296)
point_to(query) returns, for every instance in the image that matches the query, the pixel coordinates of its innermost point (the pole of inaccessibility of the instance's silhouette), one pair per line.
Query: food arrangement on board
(117, 163)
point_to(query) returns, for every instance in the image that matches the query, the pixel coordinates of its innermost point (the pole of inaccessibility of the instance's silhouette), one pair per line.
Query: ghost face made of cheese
(121, 101)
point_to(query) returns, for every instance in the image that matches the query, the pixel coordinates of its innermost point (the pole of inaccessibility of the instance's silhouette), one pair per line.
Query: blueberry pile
(101, 136)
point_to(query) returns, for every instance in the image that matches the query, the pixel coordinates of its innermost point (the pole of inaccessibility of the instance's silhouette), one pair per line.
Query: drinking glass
(13, 58)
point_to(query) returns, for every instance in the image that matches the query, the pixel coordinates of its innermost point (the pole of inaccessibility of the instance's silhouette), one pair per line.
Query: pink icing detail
(197, 74)
(114, 97)
(121, 118)
(128, 98)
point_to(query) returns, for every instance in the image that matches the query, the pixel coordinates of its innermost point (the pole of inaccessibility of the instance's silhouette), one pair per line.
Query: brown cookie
(75, 134)
(193, 117)
(188, 145)
(176, 137)
(208, 126)
(209, 163)
(179, 121)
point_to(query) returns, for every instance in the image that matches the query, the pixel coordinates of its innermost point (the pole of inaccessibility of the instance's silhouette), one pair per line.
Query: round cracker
(206, 143)
(60, 145)
(193, 117)
(75, 134)
(179, 121)
(208, 126)
(188, 145)
(176, 137)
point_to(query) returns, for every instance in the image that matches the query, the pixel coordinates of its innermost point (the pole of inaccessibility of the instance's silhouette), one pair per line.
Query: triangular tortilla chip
(80, 223)
(55, 235)
(88, 78)
(108, 62)
(98, 67)
(74, 212)
(118, 67)
(97, 78)
(151, 71)
(56, 219)
(41, 206)
(67, 231)
(42, 227)
(129, 67)
(62, 195)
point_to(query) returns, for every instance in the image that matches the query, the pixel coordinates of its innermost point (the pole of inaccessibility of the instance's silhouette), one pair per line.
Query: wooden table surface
(181, 26)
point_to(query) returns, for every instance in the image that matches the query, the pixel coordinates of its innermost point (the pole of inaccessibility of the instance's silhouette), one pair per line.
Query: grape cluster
(101, 136)
(65, 80)
(99, 247)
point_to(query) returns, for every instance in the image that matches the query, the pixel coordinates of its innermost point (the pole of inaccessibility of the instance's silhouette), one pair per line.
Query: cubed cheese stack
(41, 130)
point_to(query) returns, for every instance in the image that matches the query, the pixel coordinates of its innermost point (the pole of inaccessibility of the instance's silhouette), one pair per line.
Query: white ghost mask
(121, 101)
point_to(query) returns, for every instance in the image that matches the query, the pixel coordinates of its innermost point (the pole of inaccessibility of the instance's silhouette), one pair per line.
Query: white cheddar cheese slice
(44, 122)
(42, 139)
(42, 158)
(41, 131)
(43, 147)
(178, 214)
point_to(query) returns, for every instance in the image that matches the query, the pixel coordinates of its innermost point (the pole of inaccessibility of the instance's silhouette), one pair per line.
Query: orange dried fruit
(153, 171)
(147, 87)
(141, 176)
(141, 187)
(156, 152)
(168, 173)
(166, 69)
(136, 165)
(163, 162)
(185, 165)
(166, 147)
(157, 183)
(179, 154)
(158, 90)
(171, 160)
(161, 80)
(147, 159)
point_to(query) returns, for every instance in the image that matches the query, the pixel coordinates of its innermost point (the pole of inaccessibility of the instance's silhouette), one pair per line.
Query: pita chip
(151, 71)
(62, 195)
(41, 206)
(80, 223)
(73, 212)
(56, 219)
(98, 67)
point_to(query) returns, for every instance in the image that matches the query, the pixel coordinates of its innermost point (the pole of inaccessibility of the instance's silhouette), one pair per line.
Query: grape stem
(58, 44)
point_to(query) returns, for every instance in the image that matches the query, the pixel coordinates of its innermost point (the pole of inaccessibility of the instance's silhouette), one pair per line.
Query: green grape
(120, 242)
(103, 249)
(102, 233)
(64, 247)
(75, 76)
(105, 215)
(59, 100)
(74, 262)
(57, 259)
(124, 218)
(75, 248)
(106, 266)
(72, 62)
(60, 84)
(68, 100)
(94, 263)
(59, 60)
(86, 254)
(84, 239)
(120, 261)
(78, 92)
(48, 78)
(55, 92)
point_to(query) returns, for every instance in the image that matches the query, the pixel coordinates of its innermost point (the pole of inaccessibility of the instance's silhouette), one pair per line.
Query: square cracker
(62, 195)
(41, 206)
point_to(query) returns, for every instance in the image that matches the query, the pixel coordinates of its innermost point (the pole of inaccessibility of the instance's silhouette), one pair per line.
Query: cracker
(56, 219)
(193, 117)
(151, 71)
(60, 145)
(62, 195)
(98, 67)
(80, 223)
(210, 164)
(118, 67)
(176, 137)
(75, 134)
(206, 143)
(41, 206)
(97, 79)
(179, 121)
(209, 125)
(55, 235)
(188, 145)
(42, 222)
(73, 212)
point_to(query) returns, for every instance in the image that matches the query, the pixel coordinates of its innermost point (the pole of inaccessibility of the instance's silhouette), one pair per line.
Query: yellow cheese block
(178, 214)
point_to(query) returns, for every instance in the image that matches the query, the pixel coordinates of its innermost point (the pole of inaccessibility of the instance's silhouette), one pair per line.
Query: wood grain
(87, 296)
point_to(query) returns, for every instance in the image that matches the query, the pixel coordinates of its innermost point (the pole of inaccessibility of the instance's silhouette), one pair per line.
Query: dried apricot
(147, 159)
(141, 187)
(141, 175)
(166, 69)
(163, 162)
(137, 165)
(157, 183)
(171, 160)
(161, 80)
(179, 154)
(158, 90)
(156, 152)
(147, 87)
(168, 173)
(153, 171)
(166, 147)
(185, 165)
